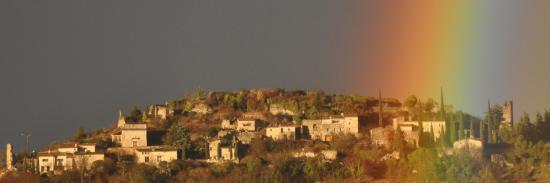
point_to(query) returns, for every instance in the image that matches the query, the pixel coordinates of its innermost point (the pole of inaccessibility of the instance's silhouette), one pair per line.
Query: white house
(289, 132)
(155, 155)
(67, 157)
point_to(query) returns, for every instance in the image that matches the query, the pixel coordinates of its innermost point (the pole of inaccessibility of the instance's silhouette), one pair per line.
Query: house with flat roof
(67, 157)
(128, 134)
(224, 149)
(283, 132)
(325, 129)
(154, 155)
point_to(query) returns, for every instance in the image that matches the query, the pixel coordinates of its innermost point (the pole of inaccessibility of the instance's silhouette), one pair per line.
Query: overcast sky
(66, 64)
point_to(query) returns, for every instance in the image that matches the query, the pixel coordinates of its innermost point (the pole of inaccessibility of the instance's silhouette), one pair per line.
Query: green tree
(423, 161)
(398, 142)
(80, 134)
(178, 137)
(143, 173)
(539, 126)
(545, 128)
(410, 103)
(525, 128)
(458, 168)
(199, 95)
(460, 120)
(135, 114)
(452, 130)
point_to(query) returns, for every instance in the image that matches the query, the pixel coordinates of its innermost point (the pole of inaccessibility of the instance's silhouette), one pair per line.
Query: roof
(68, 145)
(87, 153)
(156, 149)
(276, 125)
(87, 144)
(57, 153)
(51, 153)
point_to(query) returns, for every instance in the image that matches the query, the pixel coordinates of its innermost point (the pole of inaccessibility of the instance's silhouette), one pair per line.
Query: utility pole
(380, 116)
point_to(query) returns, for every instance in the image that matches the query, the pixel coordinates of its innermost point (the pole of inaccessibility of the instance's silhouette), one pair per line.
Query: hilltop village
(273, 135)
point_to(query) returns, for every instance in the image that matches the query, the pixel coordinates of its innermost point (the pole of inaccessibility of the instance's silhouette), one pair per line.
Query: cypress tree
(452, 130)
(472, 132)
(481, 133)
(421, 139)
(432, 139)
(460, 121)
(442, 110)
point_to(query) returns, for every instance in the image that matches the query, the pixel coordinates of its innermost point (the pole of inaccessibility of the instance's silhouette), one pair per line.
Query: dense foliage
(525, 151)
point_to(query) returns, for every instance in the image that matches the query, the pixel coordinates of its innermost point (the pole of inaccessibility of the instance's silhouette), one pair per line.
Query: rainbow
(466, 47)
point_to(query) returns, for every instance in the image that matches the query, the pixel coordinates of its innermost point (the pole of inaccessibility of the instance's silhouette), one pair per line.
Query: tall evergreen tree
(472, 131)
(452, 129)
(431, 137)
(442, 105)
(421, 136)
(481, 131)
(525, 128)
(489, 120)
(178, 137)
(546, 125)
(460, 120)
(539, 126)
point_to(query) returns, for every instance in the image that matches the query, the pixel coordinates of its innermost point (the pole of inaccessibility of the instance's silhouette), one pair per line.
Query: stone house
(155, 155)
(438, 127)
(325, 129)
(160, 111)
(507, 114)
(229, 124)
(67, 157)
(410, 134)
(289, 132)
(250, 125)
(473, 147)
(130, 135)
(380, 136)
(224, 149)
(242, 124)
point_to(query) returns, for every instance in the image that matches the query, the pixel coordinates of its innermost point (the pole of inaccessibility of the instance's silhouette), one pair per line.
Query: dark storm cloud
(66, 64)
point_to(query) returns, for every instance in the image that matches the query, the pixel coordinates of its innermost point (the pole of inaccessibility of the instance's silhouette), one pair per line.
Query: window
(42, 168)
(44, 160)
(159, 158)
(146, 159)
(59, 162)
(48, 168)
(134, 143)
